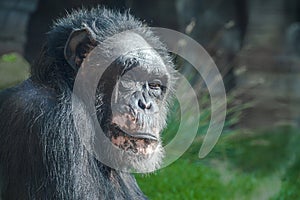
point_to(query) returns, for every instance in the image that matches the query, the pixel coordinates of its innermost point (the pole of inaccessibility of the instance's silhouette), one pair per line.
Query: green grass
(181, 180)
(291, 177)
(191, 180)
(244, 165)
(13, 70)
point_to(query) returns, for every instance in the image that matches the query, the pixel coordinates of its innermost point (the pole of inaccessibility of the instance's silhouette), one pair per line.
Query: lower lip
(139, 135)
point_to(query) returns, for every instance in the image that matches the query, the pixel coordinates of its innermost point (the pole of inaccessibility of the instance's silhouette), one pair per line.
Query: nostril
(144, 105)
(141, 104)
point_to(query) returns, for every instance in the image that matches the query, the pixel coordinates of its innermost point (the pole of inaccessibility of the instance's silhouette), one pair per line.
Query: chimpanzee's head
(133, 92)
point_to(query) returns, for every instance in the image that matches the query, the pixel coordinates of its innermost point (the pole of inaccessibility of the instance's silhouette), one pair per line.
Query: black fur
(41, 156)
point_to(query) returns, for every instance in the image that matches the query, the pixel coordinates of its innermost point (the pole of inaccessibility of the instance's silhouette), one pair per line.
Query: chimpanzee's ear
(79, 44)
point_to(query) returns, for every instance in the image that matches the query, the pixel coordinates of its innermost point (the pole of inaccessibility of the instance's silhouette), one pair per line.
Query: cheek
(120, 95)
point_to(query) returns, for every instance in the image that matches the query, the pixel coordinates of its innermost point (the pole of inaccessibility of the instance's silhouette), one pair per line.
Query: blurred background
(256, 46)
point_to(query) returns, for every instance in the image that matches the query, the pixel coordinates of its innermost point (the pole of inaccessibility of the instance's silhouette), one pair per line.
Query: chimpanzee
(42, 155)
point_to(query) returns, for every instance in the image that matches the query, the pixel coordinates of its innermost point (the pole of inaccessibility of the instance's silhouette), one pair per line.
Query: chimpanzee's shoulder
(26, 95)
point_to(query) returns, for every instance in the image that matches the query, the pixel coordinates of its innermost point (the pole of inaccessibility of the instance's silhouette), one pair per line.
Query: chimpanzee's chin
(138, 144)
(147, 163)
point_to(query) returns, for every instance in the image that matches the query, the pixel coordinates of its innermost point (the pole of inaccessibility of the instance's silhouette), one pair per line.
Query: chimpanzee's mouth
(137, 143)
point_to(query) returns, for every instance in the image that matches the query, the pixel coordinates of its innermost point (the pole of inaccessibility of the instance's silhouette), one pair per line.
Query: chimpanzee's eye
(155, 84)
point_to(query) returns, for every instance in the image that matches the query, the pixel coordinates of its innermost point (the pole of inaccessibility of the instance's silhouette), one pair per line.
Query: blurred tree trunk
(264, 67)
(217, 25)
(14, 15)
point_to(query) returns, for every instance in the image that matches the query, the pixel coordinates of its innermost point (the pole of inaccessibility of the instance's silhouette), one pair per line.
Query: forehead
(130, 45)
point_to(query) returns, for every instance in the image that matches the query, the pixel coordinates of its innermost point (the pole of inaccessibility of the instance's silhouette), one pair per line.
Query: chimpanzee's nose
(143, 104)
(142, 101)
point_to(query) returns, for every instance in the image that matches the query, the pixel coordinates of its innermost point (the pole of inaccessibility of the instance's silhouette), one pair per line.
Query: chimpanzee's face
(138, 105)
(136, 99)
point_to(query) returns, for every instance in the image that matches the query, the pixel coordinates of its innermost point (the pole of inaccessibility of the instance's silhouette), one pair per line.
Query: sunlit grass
(13, 70)
(244, 165)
